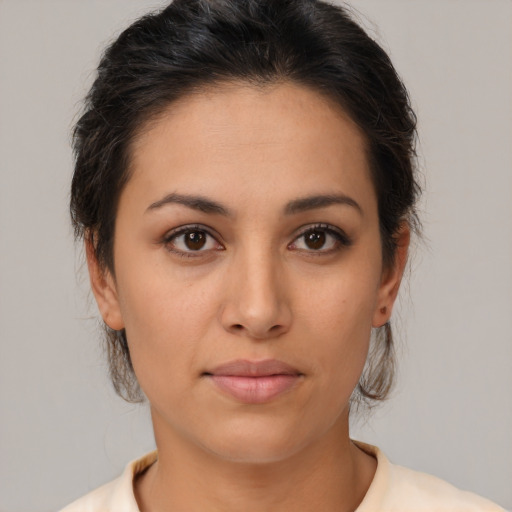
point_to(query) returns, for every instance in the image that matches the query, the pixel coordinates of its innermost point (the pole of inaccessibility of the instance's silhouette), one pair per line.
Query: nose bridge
(261, 278)
(256, 303)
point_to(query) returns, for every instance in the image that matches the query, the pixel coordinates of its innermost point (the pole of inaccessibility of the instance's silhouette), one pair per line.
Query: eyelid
(342, 238)
(180, 230)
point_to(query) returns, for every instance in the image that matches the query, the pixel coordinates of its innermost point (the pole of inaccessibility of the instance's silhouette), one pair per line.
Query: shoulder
(398, 489)
(99, 499)
(116, 495)
(427, 492)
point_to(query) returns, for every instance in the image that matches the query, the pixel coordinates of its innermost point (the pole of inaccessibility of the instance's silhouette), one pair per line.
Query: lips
(254, 382)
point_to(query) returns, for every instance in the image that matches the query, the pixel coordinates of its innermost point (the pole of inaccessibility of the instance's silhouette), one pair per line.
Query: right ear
(104, 289)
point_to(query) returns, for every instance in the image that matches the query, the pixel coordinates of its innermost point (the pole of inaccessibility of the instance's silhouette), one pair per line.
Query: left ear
(104, 289)
(392, 277)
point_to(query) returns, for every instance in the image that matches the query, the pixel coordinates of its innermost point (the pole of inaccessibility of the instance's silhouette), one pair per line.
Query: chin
(253, 442)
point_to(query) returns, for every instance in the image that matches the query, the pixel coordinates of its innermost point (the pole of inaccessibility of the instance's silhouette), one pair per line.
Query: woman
(245, 188)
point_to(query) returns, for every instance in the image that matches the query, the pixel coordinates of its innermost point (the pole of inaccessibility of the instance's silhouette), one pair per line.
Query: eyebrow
(320, 201)
(199, 203)
(302, 204)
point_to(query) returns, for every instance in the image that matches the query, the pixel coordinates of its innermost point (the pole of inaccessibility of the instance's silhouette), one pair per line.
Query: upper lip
(247, 368)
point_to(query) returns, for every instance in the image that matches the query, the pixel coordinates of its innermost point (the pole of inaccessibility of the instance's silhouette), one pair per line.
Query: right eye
(187, 240)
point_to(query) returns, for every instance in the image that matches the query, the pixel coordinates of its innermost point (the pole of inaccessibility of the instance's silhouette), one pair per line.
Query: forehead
(285, 138)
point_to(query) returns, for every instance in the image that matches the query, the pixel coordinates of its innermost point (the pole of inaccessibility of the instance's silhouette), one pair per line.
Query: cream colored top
(393, 489)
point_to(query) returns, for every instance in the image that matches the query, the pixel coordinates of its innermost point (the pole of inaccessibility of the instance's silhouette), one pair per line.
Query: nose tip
(258, 308)
(258, 331)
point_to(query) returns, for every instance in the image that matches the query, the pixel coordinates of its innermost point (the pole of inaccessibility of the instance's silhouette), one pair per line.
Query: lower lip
(255, 390)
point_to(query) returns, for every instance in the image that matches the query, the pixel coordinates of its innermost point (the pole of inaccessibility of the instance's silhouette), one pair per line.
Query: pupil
(315, 239)
(195, 240)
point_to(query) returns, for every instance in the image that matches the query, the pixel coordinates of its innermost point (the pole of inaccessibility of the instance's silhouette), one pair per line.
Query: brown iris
(315, 239)
(195, 240)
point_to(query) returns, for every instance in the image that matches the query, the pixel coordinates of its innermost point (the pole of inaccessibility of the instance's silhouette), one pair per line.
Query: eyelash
(342, 240)
(168, 238)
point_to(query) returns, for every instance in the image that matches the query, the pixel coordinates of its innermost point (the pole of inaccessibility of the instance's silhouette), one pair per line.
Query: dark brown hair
(194, 44)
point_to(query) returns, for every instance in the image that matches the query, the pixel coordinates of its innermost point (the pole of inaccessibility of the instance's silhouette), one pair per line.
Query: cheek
(157, 298)
(346, 300)
(341, 321)
(346, 332)
(166, 318)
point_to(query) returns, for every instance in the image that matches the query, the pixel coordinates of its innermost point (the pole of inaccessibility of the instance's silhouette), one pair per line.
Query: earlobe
(391, 278)
(104, 289)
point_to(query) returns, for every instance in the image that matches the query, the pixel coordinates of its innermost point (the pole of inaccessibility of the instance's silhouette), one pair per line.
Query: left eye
(320, 239)
(190, 240)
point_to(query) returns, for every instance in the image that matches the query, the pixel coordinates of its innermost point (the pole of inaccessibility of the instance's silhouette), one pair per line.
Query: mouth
(254, 382)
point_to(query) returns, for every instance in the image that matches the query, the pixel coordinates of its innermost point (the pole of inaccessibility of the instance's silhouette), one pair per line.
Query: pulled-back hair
(194, 44)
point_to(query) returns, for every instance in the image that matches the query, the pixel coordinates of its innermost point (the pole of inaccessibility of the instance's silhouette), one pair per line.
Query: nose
(255, 304)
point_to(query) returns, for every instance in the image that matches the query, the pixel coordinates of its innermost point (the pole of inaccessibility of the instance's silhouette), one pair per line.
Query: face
(248, 270)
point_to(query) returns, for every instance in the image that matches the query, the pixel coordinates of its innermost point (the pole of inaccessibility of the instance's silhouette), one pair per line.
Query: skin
(256, 290)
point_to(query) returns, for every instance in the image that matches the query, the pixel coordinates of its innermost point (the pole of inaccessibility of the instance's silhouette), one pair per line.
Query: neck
(331, 474)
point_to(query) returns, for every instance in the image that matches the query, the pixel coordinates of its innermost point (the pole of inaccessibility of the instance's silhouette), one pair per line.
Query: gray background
(62, 430)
